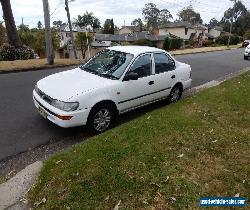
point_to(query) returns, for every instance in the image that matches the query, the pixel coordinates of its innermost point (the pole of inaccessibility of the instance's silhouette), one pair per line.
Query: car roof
(135, 50)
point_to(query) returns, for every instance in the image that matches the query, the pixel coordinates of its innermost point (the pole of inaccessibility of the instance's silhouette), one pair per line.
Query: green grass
(165, 159)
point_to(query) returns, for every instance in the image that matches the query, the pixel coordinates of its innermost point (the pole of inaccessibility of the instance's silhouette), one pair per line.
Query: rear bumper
(78, 117)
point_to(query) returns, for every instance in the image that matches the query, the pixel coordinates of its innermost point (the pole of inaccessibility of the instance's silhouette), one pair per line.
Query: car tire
(175, 93)
(101, 118)
(245, 57)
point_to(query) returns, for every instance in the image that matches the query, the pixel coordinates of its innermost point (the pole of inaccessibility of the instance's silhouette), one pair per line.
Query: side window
(142, 66)
(163, 63)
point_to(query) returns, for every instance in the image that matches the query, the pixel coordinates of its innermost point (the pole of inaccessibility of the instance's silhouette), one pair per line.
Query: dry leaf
(59, 161)
(237, 195)
(117, 205)
(180, 156)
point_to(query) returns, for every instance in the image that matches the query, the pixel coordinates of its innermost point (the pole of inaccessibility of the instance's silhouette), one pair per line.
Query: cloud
(122, 10)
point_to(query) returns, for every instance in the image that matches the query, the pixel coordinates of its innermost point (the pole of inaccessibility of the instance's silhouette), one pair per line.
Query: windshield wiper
(109, 76)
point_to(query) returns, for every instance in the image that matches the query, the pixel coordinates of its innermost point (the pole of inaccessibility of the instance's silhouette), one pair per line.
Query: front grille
(44, 96)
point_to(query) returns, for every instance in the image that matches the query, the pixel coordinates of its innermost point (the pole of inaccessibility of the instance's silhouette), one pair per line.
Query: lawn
(22, 65)
(165, 159)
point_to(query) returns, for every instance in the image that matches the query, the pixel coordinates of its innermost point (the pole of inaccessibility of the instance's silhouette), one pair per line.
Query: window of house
(186, 31)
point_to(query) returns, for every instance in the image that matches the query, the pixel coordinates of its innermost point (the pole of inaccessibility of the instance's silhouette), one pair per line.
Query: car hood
(66, 85)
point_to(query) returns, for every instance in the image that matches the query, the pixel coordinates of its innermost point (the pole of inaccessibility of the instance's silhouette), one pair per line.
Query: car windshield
(108, 63)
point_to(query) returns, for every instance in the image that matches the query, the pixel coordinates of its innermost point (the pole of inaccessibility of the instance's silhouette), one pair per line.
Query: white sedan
(115, 81)
(247, 52)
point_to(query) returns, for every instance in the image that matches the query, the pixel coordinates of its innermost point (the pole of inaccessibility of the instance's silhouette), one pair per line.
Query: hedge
(172, 43)
(224, 40)
(11, 53)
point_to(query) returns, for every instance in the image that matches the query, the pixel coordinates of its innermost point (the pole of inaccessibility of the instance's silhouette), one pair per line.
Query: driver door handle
(173, 76)
(151, 83)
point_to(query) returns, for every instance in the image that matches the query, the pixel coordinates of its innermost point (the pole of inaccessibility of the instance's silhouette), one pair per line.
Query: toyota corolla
(116, 80)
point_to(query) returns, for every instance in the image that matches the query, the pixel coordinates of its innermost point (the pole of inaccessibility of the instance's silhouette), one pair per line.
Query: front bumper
(247, 54)
(78, 117)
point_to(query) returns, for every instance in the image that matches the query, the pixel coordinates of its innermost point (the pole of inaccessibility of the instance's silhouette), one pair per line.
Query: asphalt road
(22, 128)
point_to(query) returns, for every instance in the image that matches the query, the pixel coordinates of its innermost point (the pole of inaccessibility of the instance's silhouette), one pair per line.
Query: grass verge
(25, 65)
(165, 159)
(203, 50)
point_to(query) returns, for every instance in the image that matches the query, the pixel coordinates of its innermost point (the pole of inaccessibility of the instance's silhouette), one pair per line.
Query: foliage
(11, 53)
(155, 17)
(2, 34)
(108, 27)
(57, 23)
(188, 14)
(144, 42)
(223, 40)
(240, 9)
(247, 35)
(36, 39)
(39, 25)
(212, 23)
(88, 19)
(83, 41)
(172, 43)
(208, 43)
(138, 23)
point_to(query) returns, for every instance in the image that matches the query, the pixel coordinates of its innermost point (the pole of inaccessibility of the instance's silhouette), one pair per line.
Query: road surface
(22, 128)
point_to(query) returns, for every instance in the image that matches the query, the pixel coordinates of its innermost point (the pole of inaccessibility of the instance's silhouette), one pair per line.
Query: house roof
(179, 24)
(132, 28)
(129, 37)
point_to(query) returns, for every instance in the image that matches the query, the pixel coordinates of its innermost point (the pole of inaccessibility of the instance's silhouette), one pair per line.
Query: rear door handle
(151, 83)
(173, 76)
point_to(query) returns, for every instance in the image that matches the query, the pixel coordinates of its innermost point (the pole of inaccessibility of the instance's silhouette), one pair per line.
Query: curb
(190, 53)
(15, 189)
(36, 69)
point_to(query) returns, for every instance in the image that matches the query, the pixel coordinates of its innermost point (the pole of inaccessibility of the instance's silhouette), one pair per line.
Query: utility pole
(48, 39)
(70, 27)
(231, 26)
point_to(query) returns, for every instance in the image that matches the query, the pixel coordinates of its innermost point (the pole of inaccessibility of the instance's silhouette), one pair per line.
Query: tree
(11, 30)
(88, 19)
(83, 41)
(138, 23)
(39, 25)
(188, 14)
(155, 17)
(2, 34)
(109, 27)
(240, 9)
(213, 22)
(57, 23)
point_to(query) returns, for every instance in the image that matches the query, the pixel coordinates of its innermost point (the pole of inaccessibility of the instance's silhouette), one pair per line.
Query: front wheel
(100, 119)
(175, 94)
(245, 57)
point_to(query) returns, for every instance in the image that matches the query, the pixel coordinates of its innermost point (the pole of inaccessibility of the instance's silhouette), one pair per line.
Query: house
(183, 30)
(131, 38)
(129, 30)
(214, 33)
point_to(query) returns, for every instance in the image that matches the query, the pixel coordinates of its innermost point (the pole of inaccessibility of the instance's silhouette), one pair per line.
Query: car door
(164, 71)
(134, 93)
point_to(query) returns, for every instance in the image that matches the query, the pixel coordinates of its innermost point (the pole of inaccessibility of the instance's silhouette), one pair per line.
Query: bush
(208, 43)
(247, 35)
(144, 42)
(224, 40)
(11, 53)
(172, 43)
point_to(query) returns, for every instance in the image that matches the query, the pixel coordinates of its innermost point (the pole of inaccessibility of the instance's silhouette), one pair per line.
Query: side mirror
(131, 76)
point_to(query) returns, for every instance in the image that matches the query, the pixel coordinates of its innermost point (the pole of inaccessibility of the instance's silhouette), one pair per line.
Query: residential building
(129, 30)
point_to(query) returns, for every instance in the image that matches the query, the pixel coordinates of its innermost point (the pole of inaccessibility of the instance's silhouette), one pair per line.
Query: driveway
(22, 128)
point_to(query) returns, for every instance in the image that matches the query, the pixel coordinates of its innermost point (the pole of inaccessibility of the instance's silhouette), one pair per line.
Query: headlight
(65, 106)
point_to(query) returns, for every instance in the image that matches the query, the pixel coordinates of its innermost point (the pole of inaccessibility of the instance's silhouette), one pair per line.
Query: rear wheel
(175, 93)
(100, 119)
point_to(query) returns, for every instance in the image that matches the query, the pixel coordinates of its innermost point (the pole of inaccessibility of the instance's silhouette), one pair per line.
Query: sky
(122, 11)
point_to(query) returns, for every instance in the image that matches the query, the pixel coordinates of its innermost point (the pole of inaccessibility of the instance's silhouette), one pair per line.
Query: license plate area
(42, 112)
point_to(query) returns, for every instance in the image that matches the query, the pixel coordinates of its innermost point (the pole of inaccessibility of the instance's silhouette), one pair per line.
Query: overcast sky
(120, 10)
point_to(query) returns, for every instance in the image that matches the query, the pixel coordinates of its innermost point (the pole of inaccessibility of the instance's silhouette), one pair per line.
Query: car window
(142, 66)
(163, 63)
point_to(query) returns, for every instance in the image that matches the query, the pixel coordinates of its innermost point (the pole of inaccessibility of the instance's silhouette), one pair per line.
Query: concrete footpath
(14, 190)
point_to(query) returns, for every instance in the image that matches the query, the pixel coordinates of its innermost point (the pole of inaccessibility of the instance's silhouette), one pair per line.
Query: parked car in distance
(247, 52)
(115, 81)
(245, 43)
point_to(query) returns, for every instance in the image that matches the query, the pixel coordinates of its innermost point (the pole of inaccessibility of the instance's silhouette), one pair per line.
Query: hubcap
(102, 120)
(175, 94)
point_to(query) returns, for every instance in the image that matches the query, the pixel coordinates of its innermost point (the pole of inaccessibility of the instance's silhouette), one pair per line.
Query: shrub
(224, 40)
(172, 43)
(208, 43)
(144, 42)
(247, 35)
(11, 53)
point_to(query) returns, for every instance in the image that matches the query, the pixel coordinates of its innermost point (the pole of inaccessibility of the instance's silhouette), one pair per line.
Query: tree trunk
(11, 30)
